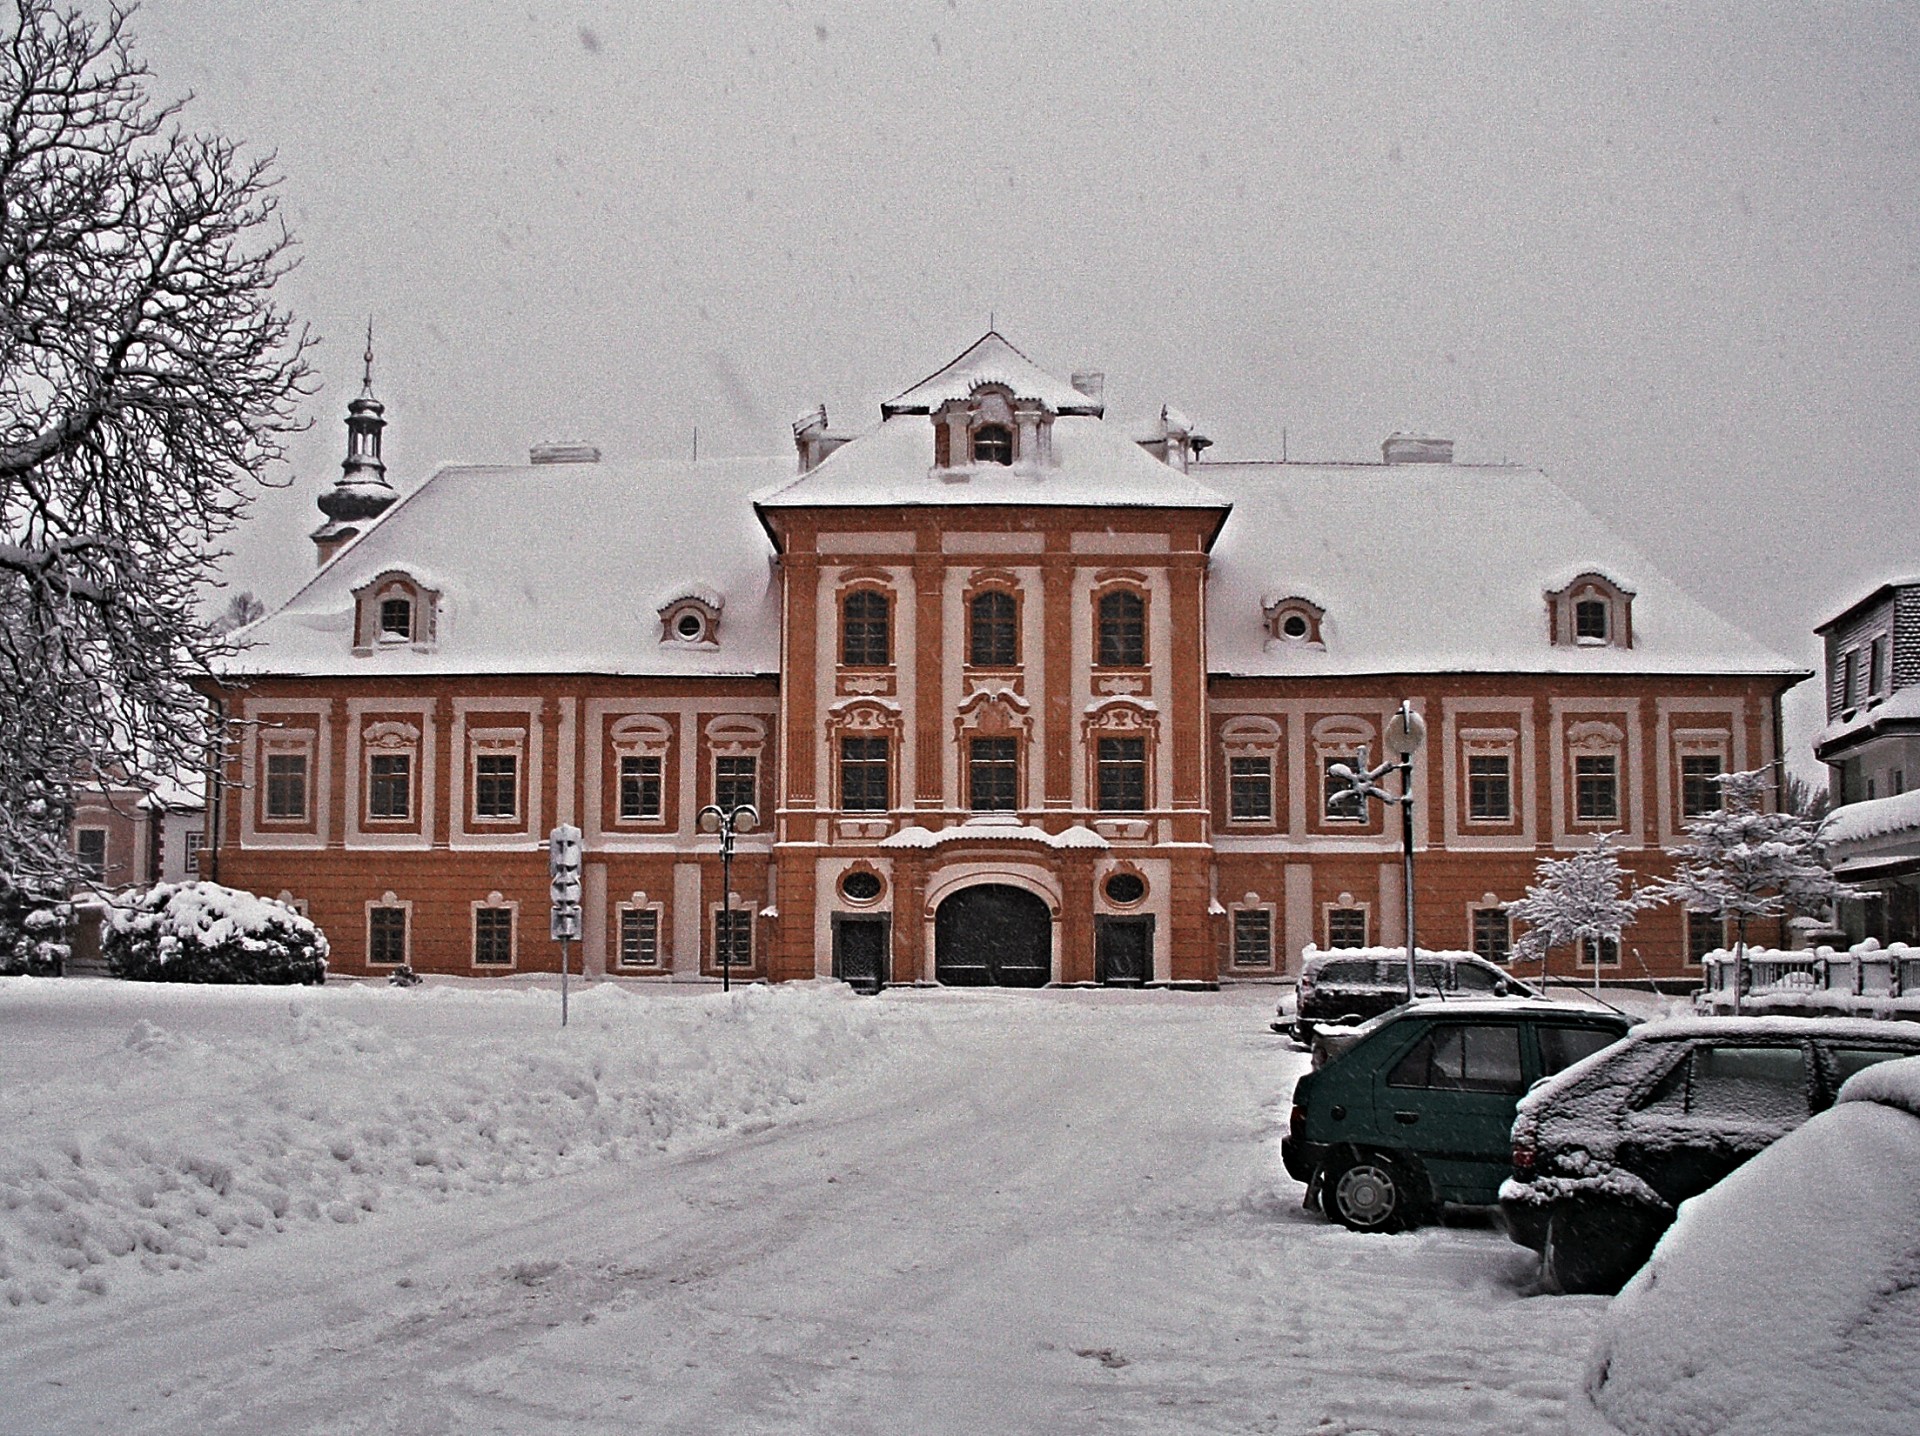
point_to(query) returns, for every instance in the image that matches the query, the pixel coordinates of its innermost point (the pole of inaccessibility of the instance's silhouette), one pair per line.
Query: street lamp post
(1404, 736)
(741, 818)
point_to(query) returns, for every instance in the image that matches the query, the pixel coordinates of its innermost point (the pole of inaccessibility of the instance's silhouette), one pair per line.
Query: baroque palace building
(1024, 697)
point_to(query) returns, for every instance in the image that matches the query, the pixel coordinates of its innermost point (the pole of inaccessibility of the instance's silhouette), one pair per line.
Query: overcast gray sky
(1667, 254)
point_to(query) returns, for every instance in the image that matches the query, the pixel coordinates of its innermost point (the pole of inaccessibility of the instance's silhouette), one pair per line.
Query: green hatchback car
(1419, 1110)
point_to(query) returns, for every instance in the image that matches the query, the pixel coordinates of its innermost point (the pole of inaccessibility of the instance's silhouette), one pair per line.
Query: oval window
(1126, 888)
(690, 626)
(1294, 626)
(861, 886)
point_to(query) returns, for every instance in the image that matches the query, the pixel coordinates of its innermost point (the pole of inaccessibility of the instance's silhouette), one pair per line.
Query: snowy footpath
(363, 1209)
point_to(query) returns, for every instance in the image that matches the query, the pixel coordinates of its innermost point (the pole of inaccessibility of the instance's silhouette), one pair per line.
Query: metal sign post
(563, 917)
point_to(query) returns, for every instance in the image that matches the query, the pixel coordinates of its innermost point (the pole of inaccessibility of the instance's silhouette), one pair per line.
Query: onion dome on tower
(361, 493)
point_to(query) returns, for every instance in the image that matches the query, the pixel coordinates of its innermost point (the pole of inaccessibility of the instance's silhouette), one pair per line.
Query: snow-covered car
(1418, 1111)
(1784, 1299)
(1604, 1153)
(1347, 986)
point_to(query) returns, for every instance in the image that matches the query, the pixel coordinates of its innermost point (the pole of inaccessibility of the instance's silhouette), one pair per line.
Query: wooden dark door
(860, 951)
(1123, 950)
(993, 936)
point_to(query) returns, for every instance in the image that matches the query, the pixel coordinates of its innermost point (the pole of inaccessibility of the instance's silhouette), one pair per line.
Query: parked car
(1604, 1153)
(1417, 1112)
(1784, 1298)
(1350, 985)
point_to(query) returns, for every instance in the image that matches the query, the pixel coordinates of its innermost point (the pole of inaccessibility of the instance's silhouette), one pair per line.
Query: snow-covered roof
(991, 360)
(1426, 568)
(1874, 818)
(994, 827)
(1094, 463)
(550, 568)
(1902, 706)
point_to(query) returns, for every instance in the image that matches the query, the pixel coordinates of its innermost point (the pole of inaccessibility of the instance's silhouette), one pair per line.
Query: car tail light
(1523, 1159)
(1297, 1123)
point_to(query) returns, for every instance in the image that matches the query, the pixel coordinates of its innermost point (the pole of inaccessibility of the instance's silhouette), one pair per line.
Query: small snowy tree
(1743, 862)
(202, 932)
(146, 380)
(1581, 898)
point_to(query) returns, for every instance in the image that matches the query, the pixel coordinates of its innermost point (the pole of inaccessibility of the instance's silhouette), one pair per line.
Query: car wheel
(1594, 1250)
(1368, 1192)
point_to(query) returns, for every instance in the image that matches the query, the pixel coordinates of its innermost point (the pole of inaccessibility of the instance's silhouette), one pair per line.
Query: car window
(1563, 1046)
(1429, 976)
(1750, 1084)
(1346, 972)
(1461, 1057)
(1474, 979)
(1849, 1060)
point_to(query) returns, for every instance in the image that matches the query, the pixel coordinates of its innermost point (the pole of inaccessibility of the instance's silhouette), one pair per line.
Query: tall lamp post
(1405, 735)
(742, 818)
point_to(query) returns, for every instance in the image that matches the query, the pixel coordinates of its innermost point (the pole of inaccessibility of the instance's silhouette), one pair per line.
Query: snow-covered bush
(202, 932)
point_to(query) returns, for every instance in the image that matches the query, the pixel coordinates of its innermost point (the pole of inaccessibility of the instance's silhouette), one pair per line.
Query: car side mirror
(1500, 987)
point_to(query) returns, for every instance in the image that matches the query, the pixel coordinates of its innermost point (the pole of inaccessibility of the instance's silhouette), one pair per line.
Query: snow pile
(346, 1100)
(1701, 1340)
(203, 932)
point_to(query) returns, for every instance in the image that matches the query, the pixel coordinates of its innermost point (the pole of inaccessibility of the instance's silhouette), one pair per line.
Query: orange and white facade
(1022, 697)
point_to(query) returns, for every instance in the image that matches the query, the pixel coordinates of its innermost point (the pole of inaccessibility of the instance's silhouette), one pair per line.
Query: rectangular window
(1699, 786)
(1344, 810)
(1253, 938)
(1877, 668)
(1122, 630)
(1489, 787)
(639, 937)
(863, 775)
(287, 787)
(1346, 927)
(1596, 788)
(386, 936)
(865, 633)
(992, 639)
(1122, 764)
(396, 618)
(733, 937)
(1250, 789)
(1703, 935)
(1852, 678)
(1492, 934)
(195, 841)
(493, 937)
(736, 783)
(90, 845)
(1609, 951)
(993, 775)
(390, 786)
(496, 786)
(639, 789)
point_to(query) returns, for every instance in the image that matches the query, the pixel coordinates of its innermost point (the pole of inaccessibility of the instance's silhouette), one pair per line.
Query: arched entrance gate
(993, 935)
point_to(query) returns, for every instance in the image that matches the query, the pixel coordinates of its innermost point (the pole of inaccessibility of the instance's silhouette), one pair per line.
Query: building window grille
(1590, 620)
(195, 841)
(386, 936)
(992, 444)
(733, 935)
(390, 787)
(90, 846)
(1596, 788)
(1253, 938)
(639, 937)
(736, 783)
(1699, 785)
(1334, 808)
(1250, 789)
(992, 639)
(1122, 766)
(993, 775)
(863, 775)
(1346, 927)
(396, 619)
(493, 937)
(1703, 935)
(287, 786)
(639, 789)
(865, 633)
(1489, 788)
(1492, 934)
(1123, 630)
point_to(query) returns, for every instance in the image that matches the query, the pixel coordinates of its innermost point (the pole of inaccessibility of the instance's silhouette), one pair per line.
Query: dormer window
(396, 620)
(992, 444)
(395, 611)
(690, 621)
(1294, 620)
(1590, 612)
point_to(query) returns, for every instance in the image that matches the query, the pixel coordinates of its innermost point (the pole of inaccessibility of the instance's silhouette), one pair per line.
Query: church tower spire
(361, 493)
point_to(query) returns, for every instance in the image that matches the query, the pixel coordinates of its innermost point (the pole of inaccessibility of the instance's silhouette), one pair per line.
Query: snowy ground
(363, 1209)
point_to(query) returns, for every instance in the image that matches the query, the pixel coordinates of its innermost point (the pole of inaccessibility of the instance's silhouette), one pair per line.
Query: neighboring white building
(1871, 746)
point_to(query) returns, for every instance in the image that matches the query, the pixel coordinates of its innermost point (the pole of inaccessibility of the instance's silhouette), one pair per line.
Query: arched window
(865, 640)
(992, 640)
(993, 444)
(1123, 630)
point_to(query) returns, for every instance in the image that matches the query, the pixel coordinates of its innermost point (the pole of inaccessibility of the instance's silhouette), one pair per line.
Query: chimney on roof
(812, 440)
(564, 453)
(1091, 382)
(1399, 448)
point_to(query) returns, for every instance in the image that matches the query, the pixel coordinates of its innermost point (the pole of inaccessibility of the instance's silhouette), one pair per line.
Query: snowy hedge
(202, 932)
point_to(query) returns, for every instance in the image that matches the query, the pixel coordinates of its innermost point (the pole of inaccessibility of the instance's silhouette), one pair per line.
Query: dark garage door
(993, 936)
